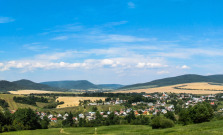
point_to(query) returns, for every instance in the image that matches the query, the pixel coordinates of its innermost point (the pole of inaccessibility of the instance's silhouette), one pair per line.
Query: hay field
(199, 89)
(202, 86)
(74, 101)
(24, 92)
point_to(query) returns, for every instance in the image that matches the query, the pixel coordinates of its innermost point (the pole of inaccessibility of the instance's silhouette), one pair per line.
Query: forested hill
(24, 85)
(189, 78)
(80, 84)
(27, 84)
(7, 86)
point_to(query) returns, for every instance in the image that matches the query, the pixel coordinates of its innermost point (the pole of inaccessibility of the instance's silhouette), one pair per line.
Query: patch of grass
(214, 127)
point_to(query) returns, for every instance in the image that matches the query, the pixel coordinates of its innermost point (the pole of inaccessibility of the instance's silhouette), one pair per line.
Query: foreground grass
(207, 128)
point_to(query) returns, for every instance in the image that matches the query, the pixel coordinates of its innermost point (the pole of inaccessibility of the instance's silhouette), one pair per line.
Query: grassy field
(74, 101)
(208, 128)
(12, 104)
(199, 88)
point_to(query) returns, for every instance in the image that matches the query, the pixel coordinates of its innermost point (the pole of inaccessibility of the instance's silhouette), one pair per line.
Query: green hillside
(80, 84)
(27, 84)
(190, 78)
(7, 86)
(208, 128)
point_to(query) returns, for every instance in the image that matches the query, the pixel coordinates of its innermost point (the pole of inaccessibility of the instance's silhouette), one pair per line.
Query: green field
(207, 128)
(12, 104)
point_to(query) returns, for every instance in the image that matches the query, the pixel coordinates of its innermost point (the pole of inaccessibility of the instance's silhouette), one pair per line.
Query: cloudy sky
(115, 41)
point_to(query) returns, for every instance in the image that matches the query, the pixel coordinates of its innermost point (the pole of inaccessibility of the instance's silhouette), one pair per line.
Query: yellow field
(23, 92)
(74, 101)
(200, 88)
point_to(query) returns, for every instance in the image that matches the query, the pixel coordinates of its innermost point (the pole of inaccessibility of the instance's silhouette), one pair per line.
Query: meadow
(207, 128)
(12, 104)
(193, 88)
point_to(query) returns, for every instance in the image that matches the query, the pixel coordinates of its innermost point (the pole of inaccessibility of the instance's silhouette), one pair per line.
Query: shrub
(161, 122)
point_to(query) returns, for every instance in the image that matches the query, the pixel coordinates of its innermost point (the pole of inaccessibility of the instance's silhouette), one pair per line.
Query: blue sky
(127, 41)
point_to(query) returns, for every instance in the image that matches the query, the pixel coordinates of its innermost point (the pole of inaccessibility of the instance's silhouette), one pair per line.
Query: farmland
(214, 127)
(74, 101)
(194, 88)
(12, 104)
(25, 92)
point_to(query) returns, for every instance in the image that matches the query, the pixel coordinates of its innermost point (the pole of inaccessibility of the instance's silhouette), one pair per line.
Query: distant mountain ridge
(80, 84)
(188, 78)
(53, 85)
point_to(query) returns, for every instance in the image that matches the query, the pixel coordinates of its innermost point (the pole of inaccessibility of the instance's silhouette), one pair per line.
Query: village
(162, 103)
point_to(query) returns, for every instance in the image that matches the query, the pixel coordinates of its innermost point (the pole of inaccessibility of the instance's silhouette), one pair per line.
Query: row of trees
(22, 119)
(3, 103)
(31, 100)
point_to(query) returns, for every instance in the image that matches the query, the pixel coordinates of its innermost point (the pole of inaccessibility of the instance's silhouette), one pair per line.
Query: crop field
(208, 128)
(24, 92)
(74, 101)
(194, 88)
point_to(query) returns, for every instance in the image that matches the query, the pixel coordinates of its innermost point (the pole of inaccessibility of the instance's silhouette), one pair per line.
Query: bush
(202, 112)
(161, 122)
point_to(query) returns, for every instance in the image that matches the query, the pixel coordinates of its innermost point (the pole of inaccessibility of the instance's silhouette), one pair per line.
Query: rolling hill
(24, 85)
(189, 78)
(27, 84)
(80, 84)
(7, 86)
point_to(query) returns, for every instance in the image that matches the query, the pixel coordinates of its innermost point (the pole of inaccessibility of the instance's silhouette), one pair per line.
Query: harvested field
(194, 88)
(74, 101)
(23, 92)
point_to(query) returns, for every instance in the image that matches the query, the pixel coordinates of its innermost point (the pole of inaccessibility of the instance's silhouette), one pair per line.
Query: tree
(69, 120)
(26, 119)
(201, 112)
(170, 115)
(45, 122)
(161, 122)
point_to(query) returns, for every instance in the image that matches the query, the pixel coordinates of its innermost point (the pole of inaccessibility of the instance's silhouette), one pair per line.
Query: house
(81, 115)
(136, 113)
(150, 104)
(54, 119)
(146, 113)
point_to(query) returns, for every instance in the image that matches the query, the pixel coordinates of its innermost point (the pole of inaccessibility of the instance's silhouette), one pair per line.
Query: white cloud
(122, 38)
(131, 5)
(185, 67)
(6, 19)
(163, 72)
(60, 38)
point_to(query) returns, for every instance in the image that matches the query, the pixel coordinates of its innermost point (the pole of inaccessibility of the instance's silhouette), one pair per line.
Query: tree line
(22, 119)
(30, 100)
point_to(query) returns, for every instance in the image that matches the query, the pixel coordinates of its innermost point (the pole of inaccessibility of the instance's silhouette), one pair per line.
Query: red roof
(53, 118)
